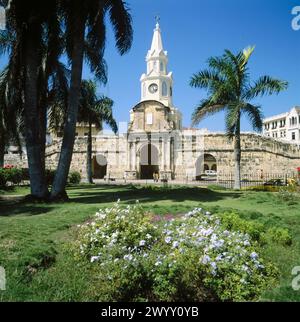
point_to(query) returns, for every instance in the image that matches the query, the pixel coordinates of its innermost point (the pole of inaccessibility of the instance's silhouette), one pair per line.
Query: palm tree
(227, 81)
(85, 23)
(32, 23)
(11, 120)
(94, 110)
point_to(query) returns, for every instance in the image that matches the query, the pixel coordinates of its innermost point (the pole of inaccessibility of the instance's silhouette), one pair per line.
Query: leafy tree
(227, 81)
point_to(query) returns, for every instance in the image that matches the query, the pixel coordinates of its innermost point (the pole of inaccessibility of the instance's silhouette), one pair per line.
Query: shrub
(232, 221)
(287, 195)
(14, 175)
(192, 258)
(279, 235)
(262, 188)
(74, 177)
(3, 177)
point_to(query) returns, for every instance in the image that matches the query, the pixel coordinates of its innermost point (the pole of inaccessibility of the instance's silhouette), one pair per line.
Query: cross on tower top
(157, 19)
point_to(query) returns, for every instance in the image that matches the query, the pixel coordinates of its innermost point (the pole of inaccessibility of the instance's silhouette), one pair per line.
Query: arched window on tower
(164, 89)
(162, 69)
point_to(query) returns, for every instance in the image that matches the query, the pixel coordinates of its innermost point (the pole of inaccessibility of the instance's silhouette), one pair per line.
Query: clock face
(153, 88)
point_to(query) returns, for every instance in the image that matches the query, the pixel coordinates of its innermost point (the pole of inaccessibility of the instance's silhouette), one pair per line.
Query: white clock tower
(157, 84)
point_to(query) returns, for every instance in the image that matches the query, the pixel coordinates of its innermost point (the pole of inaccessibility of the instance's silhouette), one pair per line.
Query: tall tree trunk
(38, 185)
(61, 176)
(43, 132)
(2, 140)
(89, 154)
(237, 158)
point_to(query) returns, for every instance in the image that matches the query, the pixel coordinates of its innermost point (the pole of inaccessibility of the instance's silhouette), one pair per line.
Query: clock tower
(157, 83)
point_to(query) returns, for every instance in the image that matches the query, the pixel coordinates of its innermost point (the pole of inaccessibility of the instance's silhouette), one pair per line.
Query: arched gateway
(99, 166)
(149, 161)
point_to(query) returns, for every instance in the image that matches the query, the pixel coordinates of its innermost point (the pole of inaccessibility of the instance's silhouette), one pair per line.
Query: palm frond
(122, 24)
(265, 85)
(206, 79)
(103, 108)
(255, 115)
(96, 63)
(205, 109)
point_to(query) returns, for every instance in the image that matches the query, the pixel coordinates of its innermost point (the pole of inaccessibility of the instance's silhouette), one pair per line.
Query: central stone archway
(149, 161)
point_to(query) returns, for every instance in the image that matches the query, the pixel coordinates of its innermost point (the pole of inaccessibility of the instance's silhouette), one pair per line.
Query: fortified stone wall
(258, 154)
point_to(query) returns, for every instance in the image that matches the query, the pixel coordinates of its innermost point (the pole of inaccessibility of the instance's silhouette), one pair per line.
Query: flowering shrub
(8, 166)
(192, 257)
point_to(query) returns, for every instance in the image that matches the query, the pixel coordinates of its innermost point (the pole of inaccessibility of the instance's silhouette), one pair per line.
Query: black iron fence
(227, 180)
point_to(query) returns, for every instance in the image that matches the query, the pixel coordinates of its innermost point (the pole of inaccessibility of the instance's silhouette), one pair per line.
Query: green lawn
(33, 236)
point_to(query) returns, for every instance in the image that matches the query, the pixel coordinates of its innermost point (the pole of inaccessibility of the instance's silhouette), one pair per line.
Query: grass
(33, 236)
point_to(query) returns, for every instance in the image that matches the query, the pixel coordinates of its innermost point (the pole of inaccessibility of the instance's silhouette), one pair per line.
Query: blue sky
(197, 29)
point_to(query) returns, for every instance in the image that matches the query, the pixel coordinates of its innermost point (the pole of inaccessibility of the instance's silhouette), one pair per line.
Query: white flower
(219, 258)
(128, 257)
(94, 259)
(158, 263)
(213, 265)
(168, 240)
(254, 255)
(245, 268)
(246, 243)
(142, 243)
(175, 244)
(148, 236)
(206, 259)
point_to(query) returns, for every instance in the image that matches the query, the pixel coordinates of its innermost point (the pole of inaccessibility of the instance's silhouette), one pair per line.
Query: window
(162, 68)
(293, 136)
(149, 119)
(154, 65)
(164, 89)
(144, 90)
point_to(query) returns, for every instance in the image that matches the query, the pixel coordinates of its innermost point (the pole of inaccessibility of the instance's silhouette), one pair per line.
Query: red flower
(8, 166)
(298, 169)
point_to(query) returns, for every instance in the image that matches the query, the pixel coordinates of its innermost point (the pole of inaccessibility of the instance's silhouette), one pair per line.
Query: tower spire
(157, 44)
(157, 83)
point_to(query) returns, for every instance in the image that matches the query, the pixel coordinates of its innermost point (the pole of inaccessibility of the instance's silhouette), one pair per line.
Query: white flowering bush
(189, 258)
